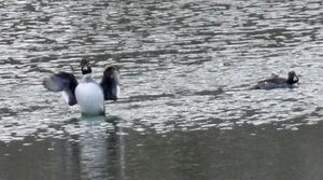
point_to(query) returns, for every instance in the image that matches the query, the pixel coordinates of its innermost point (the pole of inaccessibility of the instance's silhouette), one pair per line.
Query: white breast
(89, 96)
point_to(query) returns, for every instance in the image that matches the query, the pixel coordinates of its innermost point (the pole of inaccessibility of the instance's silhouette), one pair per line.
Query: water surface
(186, 111)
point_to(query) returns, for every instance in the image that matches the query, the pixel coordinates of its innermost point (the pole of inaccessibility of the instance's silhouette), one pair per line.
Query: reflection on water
(246, 152)
(184, 64)
(186, 111)
(91, 148)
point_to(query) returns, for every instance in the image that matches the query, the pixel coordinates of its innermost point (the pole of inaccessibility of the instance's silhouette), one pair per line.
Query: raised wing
(62, 82)
(110, 83)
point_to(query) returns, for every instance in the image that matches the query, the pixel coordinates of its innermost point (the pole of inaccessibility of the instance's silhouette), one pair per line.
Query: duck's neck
(87, 78)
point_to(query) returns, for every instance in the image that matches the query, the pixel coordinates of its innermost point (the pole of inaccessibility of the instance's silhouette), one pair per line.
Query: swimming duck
(89, 94)
(278, 82)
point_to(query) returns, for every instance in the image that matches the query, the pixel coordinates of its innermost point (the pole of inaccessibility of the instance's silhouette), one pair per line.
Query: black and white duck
(88, 94)
(278, 82)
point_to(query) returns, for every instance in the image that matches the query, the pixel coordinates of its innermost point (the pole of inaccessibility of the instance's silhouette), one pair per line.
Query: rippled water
(186, 111)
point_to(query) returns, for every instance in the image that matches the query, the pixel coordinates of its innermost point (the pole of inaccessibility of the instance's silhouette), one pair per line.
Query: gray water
(185, 112)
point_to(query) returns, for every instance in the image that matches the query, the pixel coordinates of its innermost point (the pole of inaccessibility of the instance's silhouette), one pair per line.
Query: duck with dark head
(292, 78)
(89, 94)
(278, 82)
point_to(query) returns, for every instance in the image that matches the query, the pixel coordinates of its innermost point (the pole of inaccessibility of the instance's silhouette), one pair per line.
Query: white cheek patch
(295, 78)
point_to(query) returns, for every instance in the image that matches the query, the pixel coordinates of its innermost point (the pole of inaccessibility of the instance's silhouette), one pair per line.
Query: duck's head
(85, 67)
(292, 77)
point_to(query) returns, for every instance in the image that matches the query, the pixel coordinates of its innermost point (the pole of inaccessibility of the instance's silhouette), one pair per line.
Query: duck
(278, 82)
(87, 93)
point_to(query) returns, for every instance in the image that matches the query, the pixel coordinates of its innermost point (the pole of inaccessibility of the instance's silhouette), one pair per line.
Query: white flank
(65, 96)
(118, 91)
(89, 96)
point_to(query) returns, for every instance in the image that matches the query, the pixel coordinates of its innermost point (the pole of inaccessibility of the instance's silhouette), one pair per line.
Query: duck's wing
(62, 82)
(274, 82)
(110, 83)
